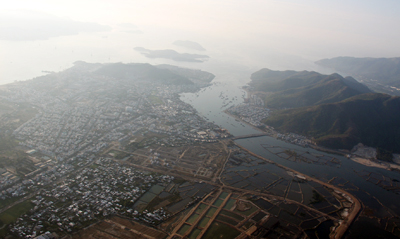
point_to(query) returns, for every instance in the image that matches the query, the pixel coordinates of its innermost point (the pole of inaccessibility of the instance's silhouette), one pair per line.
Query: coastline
(364, 161)
(376, 164)
(254, 127)
(274, 135)
(356, 206)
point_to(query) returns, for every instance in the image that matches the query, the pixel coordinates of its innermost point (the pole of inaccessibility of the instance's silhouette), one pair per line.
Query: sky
(356, 24)
(251, 30)
(348, 27)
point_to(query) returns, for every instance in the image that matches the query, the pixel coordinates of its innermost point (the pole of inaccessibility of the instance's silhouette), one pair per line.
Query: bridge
(249, 136)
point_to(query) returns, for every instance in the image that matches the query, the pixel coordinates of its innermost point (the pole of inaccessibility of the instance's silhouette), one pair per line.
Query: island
(172, 55)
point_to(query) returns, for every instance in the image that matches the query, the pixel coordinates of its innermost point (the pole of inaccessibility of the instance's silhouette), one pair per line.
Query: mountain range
(334, 111)
(380, 74)
(291, 89)
(372, 119)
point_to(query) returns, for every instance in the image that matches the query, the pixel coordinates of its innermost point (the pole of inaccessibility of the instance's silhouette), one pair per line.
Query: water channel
(382, 205)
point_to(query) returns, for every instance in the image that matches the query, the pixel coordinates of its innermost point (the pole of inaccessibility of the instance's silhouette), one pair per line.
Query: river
(379, 204)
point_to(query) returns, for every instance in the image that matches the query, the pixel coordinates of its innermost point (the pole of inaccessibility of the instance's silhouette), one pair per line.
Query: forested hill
(291, 89)
(372, 119)
(142, 71)
(380, 74)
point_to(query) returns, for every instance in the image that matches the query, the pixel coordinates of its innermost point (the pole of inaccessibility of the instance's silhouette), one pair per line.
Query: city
(104, 149)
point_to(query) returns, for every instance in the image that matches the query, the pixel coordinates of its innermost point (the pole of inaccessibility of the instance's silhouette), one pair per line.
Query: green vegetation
(118, 154)
(223, 195)
(11, 214)
(194, 233)
(133, 146)
(192, 218)
(372, 119)
(211, 212)
(183, 229)
(94, 166)
(201, 208)
(155, 100)
(220, 231)
(218, 202)
(231, 214)
(203, 222)
(231, 202)
(291, 89)
(227, 220)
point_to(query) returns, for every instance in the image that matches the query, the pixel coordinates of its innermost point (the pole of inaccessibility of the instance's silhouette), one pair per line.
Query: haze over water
(23, 60)
(51, 35)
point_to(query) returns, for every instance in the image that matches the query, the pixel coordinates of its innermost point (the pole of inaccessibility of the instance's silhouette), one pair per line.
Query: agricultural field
(201, 161)
(11, 214)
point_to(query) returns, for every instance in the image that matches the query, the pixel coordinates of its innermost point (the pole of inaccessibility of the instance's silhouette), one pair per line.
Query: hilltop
(380, 74)
(292, 89)
(189, 44)
(193, 75)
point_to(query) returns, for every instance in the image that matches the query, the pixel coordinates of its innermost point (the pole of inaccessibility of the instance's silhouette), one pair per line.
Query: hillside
(372, 119)
(193, 75)
(292, 89)
(172, 55)
(376, 72)
(142, 72)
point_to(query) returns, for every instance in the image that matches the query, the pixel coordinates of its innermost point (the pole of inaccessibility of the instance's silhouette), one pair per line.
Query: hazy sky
(309, 27)
(38, 35)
